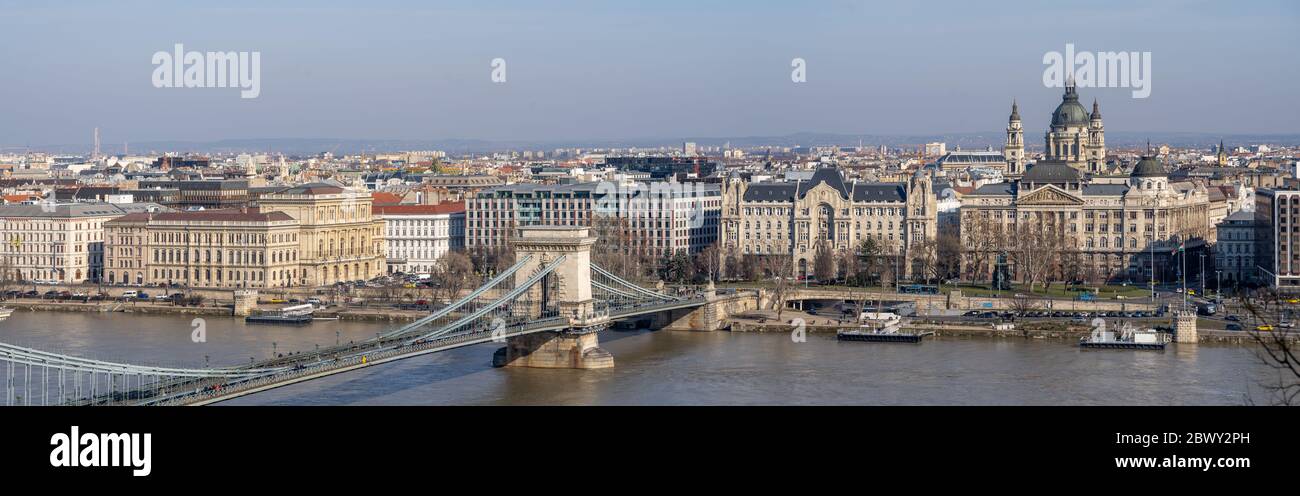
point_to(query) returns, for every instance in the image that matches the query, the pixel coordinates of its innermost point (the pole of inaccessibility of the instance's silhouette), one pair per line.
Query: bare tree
(451, 274)
(1021, 304)
(1038, 246)
(925, 259)
(948, 252)
(1276, 346)
(824, 263)
(751, 267)
(7, 275)
(780, 267)
(708, 262)
(982, 240)
(850, 266)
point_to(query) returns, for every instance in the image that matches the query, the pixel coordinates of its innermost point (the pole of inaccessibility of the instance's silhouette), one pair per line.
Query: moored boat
(294, 315)
(1127, 339)
(880, 327)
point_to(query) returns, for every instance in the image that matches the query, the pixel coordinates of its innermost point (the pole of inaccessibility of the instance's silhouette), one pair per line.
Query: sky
(609, 70)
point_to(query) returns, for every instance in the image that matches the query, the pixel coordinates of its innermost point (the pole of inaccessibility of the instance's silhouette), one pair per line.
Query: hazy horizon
(591, 71)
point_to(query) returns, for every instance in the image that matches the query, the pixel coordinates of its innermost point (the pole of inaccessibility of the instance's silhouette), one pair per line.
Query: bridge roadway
(312, 366)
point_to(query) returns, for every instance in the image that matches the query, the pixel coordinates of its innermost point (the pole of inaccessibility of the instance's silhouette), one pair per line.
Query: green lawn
(1056, 291)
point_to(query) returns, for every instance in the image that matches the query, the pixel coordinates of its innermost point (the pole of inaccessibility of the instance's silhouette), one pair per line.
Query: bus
(918, 289)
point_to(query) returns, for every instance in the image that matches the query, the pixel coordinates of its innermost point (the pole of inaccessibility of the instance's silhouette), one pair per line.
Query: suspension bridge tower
(564, 293)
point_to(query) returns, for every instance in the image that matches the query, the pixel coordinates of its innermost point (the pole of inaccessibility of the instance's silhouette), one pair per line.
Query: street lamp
(1202, 272)
(1218, 286)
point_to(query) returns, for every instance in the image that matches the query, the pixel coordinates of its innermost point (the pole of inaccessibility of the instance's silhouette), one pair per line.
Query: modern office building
(1277, 252)
(659, 218)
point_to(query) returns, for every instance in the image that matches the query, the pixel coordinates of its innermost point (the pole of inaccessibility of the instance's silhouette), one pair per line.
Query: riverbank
(145, 307)
(1037, 330)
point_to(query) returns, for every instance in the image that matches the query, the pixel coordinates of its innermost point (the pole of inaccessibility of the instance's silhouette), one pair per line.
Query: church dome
(1148, 167)
(1070, 112)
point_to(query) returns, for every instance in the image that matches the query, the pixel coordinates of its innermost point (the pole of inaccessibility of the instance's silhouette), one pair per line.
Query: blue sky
(633, 70)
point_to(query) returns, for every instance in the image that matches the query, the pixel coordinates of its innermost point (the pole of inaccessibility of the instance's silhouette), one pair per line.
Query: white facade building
(58, 243)
(418, 235)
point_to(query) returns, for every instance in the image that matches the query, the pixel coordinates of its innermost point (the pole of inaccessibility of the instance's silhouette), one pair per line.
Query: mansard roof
(1104, 189)
(1048, 172)
(879, 192)
(996, 189)
(827, 175)
(782, 192)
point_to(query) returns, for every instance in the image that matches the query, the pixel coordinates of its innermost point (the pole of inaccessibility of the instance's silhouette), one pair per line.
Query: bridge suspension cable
(67, 362)
(441, 312)
(504, 299)
(635, 288)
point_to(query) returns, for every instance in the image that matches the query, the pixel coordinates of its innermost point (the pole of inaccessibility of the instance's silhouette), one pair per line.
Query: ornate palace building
(794, 218)
(232, 248)
(311, 235)
(340, 238)
(1109, 226)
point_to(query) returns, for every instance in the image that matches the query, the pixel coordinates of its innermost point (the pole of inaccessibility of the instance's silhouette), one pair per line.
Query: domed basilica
(1095, 226)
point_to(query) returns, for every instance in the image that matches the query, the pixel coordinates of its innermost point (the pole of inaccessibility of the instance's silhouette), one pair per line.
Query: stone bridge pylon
(564, 293)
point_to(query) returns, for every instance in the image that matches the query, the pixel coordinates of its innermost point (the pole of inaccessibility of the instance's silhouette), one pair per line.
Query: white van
(130, 294)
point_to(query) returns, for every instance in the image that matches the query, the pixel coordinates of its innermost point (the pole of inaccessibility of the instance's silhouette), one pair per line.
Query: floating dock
(1121, 345)
(278, 319)
(879, 337)
(294, 315)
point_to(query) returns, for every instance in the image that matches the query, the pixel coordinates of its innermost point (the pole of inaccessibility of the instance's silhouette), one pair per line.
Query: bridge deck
(313, 367)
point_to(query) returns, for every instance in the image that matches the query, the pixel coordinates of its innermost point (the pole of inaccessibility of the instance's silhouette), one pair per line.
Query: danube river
(680, 368)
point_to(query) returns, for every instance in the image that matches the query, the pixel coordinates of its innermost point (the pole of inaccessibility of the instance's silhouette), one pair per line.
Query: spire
(1096, 110)
(1015, 110)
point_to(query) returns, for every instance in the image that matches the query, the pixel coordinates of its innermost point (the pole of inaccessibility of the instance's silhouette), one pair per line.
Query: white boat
(1128, 338)
(5, 312)
(879, 327)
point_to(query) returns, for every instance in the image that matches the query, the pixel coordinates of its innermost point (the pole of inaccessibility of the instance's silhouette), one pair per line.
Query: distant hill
(970, 141)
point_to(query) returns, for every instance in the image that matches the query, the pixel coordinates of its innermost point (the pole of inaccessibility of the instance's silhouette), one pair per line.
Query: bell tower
(1096, 141)
(1014, 148)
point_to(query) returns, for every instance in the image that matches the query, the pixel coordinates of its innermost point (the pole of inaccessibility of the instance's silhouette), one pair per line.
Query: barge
(880, 328)
(294, 315)
(1128, 339)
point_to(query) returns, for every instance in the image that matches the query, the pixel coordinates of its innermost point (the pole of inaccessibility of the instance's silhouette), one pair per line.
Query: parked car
(130, 294)
(1233, 327)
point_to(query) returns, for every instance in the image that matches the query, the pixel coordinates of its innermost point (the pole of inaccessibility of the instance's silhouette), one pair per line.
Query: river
(679, 368)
